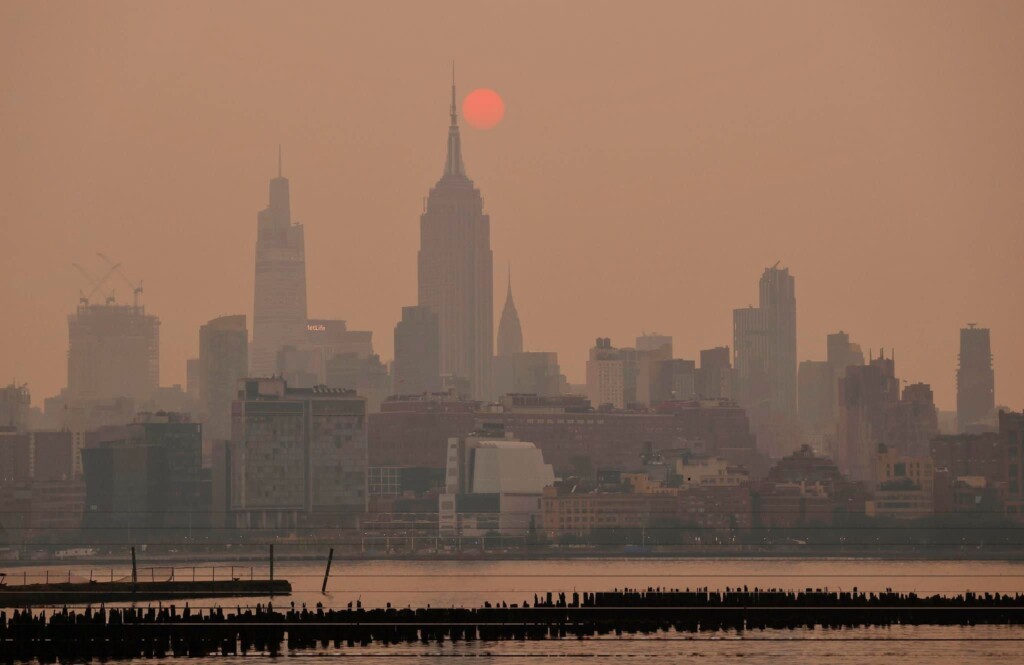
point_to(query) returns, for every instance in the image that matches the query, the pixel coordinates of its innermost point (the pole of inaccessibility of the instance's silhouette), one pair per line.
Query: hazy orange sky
(653, 159)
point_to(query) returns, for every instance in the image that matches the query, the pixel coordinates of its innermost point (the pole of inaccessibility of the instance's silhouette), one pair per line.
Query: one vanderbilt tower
(455, 270)
(279, 310)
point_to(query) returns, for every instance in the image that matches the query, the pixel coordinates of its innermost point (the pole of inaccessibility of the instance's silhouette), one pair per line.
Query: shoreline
(256, 557)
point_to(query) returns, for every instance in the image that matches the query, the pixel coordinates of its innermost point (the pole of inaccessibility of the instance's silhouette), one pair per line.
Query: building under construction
(113, 351)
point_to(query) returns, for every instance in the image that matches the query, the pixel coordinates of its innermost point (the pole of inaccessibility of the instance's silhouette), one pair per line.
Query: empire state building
(455, 270)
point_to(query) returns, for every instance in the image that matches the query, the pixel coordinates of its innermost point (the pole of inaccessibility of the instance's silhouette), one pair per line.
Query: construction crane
(96, 284)
(82, 300)
(116, 267)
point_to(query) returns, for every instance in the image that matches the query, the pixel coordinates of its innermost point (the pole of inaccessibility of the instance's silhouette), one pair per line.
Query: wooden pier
(122, 633)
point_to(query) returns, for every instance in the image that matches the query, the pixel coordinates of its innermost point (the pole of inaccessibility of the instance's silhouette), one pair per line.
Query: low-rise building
(493, 483)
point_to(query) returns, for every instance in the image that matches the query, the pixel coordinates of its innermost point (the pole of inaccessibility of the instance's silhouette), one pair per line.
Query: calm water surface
(470, 583)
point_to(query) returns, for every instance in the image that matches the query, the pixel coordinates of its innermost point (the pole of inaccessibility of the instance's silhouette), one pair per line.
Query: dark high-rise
(279, 308)
(144, 479)
(417, 367)
(975, 380)
(455, 270)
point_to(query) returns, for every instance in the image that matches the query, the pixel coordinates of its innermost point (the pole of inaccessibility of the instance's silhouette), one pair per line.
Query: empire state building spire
(453, 165)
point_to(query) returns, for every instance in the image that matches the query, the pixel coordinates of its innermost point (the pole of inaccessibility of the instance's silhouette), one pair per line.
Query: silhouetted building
(817, 396)
(455, 270)
(36, 455)
(510, 332)
(510, 342)
(413, 430)
(715, 377)
(223, 360)
(366, 375)
(778, 299)
(651, 352)
(41, 498)
(279, 310)
(750, 356)
(818, 412)
(15, 402)
(818, 381)
(606, 374)
(969, 456)
(975, 381)
(535, 372)
(113, 352)
(143, 480)
(654, 342)
(325, 339)
(903, 485)
(417, 365)
(297, 456)
(574, 437)
(805, 489)
(764, 343)
(193, 370)
(843, 353)
(1011, 431)
(15, 456)
(913, 422)
(866, 394)
(672, 379)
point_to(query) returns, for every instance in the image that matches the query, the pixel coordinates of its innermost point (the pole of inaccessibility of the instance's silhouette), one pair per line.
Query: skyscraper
(750, 355)
(818, 392)
(279, 309)
(866, 394)
(510, 332)
(417, 366)
(113, 352)
(764, 343)
(778, 299)
(510, 342)
(975, 380)
(223, 360)
(455, 270)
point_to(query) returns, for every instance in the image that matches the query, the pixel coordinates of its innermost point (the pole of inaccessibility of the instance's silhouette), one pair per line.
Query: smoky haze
(653, 159)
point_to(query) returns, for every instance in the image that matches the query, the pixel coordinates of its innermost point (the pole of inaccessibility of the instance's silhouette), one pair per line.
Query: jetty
(135, 632)
(94, 593)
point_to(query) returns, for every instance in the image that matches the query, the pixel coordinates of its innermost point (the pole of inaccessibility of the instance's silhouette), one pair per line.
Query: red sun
(483, 108)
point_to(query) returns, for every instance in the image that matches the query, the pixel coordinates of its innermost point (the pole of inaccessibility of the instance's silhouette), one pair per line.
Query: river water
(470, 583)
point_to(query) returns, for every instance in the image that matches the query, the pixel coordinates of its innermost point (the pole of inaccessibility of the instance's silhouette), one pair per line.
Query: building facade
(279, 308)
(417, 365)
(223, 360)
(975, 381)
(494, 484)
(455, 270)
(606, 374)
(297, 456)
(113, 352)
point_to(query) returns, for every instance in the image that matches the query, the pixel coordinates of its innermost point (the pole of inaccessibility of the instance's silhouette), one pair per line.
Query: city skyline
(525, 168)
